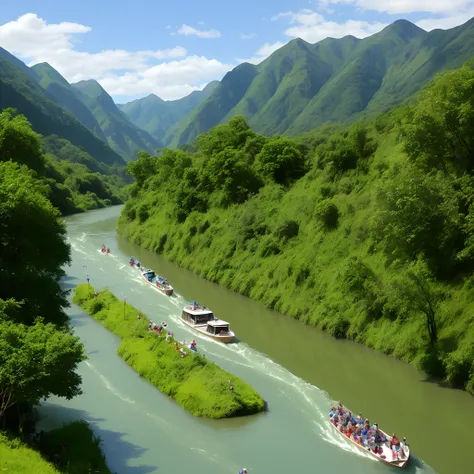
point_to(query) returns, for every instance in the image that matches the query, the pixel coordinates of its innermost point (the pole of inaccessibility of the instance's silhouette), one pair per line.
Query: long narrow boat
(158, 282)
(203, 320)
(386, 456)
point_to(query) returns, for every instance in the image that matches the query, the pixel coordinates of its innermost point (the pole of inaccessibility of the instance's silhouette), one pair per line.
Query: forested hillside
(65, 95)
(72, 179)
(302, 86)
(365, 231)
(20, 90)
(121, 134)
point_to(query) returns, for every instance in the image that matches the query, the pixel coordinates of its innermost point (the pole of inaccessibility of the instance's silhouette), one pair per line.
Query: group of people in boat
(104, 249)
(133, 263)
(359, 430)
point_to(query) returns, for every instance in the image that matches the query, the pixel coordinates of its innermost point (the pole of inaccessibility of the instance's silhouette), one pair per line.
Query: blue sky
(134, 48)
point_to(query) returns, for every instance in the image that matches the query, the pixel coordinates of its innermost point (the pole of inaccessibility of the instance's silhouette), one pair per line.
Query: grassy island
(82, 452)
(198, 385)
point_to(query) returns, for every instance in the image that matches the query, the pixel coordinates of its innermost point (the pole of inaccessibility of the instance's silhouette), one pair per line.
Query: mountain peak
(405, 29)
(48, 71)
(91, 88)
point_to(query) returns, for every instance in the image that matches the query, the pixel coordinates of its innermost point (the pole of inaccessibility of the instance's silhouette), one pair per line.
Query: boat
(158, 282)
(202, 319)
(385, 454)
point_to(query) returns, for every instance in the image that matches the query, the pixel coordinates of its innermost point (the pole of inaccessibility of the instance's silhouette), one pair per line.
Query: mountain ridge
(121, 134)
(360, 77)
(157, 116)
(20, 89)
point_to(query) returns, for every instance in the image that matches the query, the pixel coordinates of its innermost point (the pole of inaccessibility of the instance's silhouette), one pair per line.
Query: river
(297, 369)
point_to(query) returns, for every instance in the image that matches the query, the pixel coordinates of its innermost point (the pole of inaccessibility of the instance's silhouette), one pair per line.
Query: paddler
(243, 471)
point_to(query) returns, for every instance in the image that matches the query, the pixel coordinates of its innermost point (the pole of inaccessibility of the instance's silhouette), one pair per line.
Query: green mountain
(20, 90)
(122, 135)
(64, 94)
(156, 116)
(302, 85)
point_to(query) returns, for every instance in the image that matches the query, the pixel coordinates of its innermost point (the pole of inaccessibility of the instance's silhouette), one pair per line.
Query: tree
(417, 214)
(439, 129)
(229, 172)
(233, 134)
(142, 168)
(37, 361)
(33, 246)
(418, 291)
(282, 160)
(18, 142)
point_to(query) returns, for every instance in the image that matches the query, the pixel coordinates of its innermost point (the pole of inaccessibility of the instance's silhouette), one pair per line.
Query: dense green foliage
(122, 135)
(302, 85)
(83, 454)
(156, 116)
(38, 353)
(366, 232)
(37, 361)
(198, 385)
(19, 89)
(74, 181)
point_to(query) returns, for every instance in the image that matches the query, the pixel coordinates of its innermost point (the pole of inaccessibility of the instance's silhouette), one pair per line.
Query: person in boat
(243, 471)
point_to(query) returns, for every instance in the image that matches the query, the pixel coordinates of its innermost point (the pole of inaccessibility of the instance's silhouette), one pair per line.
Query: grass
(18, 458)
(83, 454)
(198, 385)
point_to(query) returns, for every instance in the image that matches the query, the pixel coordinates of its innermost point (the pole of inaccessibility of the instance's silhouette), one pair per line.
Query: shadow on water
(118, 451)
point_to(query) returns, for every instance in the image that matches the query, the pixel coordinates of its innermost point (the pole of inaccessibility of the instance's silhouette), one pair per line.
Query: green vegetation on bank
(73, 180)
(72, 449)
(198, 385)
(18, 458)
(302, 85)
(39, 355)
(366, 232)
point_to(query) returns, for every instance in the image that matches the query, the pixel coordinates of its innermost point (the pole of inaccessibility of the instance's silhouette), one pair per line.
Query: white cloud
(247, 36)
(263, 52)
(313, 27)
(187, 30)
(406, 6)
(447, 22)
(193, 72)
(450, 13)
(169, 73)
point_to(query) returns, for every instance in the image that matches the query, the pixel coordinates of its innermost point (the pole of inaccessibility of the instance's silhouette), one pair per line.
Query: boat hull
(399, 464)
(202, 330)
(167, 292)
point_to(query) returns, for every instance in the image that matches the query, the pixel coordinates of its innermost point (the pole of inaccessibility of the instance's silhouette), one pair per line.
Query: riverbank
(198, 385)
(72, 449)
(357, 232)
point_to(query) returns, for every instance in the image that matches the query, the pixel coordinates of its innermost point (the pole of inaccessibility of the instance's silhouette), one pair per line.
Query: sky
(138, 47)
